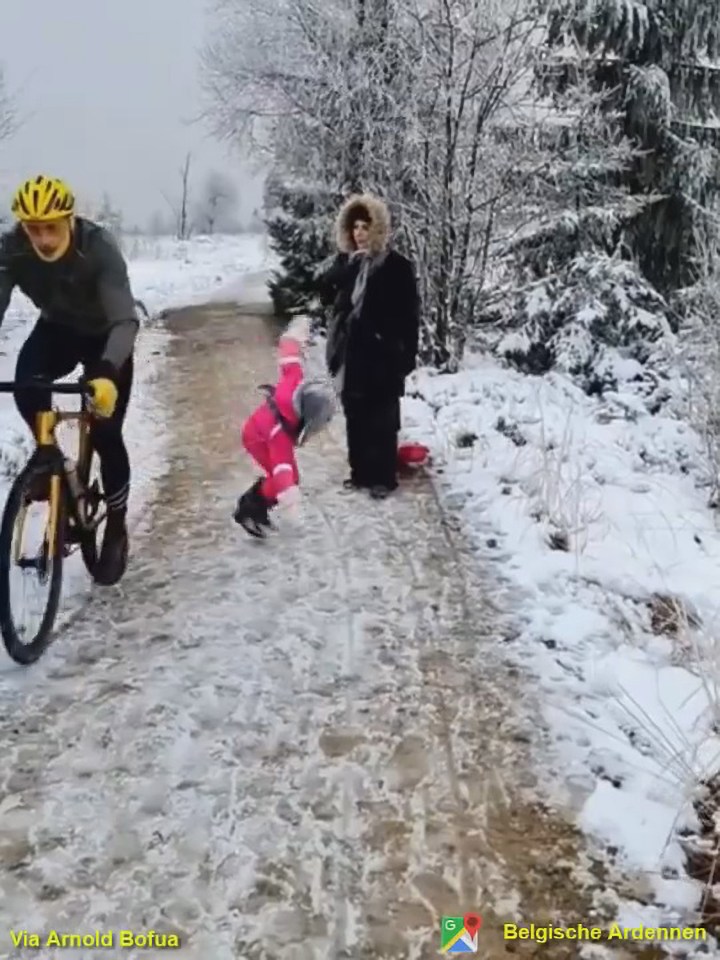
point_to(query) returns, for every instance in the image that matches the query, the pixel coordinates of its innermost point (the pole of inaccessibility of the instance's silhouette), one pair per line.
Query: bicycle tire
(27, 653)
(88, 539)
(89, 551)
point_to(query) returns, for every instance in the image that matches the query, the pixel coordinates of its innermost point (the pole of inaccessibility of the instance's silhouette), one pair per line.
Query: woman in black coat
(372, 339)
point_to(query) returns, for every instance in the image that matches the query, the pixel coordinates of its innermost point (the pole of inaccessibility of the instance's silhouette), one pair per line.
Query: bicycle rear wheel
(26, 645)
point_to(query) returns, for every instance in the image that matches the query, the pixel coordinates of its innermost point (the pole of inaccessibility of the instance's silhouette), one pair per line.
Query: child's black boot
(251, 511)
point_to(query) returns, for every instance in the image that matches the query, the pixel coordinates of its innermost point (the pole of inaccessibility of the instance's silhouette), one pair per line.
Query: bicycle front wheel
(94, 510)
(31, 552)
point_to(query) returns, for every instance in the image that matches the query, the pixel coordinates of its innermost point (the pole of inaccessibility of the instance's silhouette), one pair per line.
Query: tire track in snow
(342, 922)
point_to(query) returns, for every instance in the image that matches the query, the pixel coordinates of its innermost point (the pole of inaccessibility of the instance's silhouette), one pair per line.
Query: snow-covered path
(300, 749)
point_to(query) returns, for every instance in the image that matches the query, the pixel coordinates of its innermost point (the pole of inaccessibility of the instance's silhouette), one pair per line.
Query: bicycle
(74, 515)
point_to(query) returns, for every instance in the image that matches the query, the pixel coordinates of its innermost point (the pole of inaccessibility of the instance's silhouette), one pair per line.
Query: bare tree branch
(180, 208)
(412, 99)
(184, 230)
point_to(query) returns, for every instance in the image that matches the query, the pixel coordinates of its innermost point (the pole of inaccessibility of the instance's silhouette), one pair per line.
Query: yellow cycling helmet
(44, 198)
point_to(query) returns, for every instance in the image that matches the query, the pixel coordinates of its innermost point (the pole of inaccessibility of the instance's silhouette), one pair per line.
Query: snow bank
(169, 273)
(164, 273)
(609, 557)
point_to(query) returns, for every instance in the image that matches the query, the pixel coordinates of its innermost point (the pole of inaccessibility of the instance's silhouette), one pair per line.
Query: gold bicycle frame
(46, 423)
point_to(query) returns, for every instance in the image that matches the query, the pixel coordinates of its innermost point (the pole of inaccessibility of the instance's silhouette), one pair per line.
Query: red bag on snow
(412, 455)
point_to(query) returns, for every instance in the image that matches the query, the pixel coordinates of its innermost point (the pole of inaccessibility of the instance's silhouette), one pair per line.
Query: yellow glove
(104, 397)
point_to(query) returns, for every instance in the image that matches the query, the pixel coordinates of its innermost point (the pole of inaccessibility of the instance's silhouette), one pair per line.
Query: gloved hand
(104, 391)
(289, 505)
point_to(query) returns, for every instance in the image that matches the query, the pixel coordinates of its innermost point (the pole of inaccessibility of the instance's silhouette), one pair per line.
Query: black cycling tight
(52, 351)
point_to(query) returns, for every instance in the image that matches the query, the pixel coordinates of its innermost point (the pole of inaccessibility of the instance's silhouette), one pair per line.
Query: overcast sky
(106, 90)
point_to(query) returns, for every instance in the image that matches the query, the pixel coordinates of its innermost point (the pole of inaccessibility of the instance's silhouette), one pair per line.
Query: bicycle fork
(46, 421)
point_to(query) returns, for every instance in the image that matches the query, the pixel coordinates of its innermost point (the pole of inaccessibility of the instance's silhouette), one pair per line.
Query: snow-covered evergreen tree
(569, 182)
(597, 320)
(299, 219)
(660, 60)
(568, 294)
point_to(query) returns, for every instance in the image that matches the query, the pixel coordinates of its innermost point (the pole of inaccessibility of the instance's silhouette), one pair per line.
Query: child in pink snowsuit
(293, 410)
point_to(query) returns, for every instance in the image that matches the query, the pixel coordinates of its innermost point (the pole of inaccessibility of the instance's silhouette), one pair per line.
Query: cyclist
(73, 271)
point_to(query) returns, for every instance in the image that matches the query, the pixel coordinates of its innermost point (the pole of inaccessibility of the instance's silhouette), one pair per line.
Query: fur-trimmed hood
(379, 216)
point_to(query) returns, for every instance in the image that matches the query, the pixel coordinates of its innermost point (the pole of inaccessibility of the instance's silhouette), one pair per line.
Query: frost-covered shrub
(598, 321)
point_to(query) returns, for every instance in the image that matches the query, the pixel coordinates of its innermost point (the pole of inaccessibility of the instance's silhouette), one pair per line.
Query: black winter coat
(379, 349)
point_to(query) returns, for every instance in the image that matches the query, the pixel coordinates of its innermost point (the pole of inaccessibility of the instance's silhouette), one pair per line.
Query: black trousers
(372, 439)
(52, 351)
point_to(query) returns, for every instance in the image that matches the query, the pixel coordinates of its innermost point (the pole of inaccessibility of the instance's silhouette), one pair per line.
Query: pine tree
(661, 60)
(299, 223)
(573, 297)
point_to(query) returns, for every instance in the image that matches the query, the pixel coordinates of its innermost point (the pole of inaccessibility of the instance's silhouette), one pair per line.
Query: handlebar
(77, 388)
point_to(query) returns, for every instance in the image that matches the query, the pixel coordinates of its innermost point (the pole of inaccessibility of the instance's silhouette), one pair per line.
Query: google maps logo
(460, 934)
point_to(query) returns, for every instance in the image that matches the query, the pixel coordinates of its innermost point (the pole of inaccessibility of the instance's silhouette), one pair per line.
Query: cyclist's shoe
(113, 557)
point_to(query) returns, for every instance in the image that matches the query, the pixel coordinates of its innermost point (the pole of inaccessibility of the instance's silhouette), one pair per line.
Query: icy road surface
(301, 749)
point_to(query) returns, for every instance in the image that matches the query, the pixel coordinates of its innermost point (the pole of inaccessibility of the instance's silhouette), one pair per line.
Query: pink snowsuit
(265, 439)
